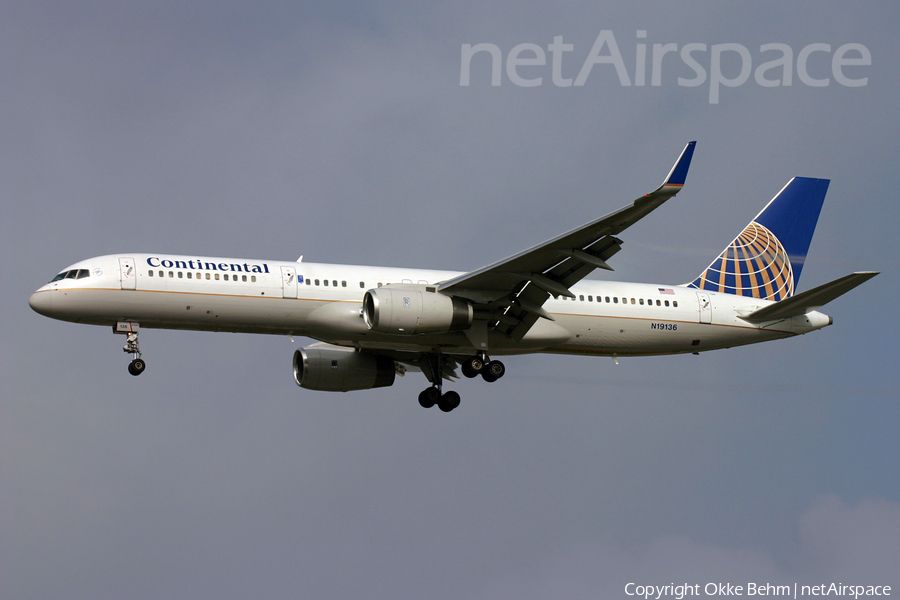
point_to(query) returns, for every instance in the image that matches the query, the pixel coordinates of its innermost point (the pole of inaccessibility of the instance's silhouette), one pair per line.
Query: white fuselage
(324, 302)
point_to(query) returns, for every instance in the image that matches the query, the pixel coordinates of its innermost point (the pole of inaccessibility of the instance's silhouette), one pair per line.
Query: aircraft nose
(41, 302)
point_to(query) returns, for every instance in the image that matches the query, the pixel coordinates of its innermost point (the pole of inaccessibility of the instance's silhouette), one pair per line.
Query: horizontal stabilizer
(810, 300)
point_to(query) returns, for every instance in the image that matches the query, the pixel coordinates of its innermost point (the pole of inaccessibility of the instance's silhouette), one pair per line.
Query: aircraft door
(289, 282)
(127, 273)
(705, 307)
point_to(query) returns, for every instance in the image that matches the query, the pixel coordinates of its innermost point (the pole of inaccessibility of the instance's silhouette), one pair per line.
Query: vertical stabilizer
(766, 259)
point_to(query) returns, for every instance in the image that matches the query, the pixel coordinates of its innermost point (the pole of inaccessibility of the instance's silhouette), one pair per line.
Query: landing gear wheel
(494, 371)
(429, 397)
(448, 401)
(130, 329)
(471, 367)
(137, 366)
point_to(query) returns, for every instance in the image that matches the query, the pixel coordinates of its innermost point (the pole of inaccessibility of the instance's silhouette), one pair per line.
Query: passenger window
(590, 298)
(317, 282)
(641, 301)
(207, 275)
(616, 300)
(334, 283)
(632, 300)
(150, 273)
(171, 274)
(343, 284)
(607, 298)
(674, 303)
(161, 274)
(189, 275)
(308, 281)
(180, 275)
(581, 297)
(253, 279)
(667, 302)
(362, 284)
(379, 284)
(326, 283)
(243, 278)
(217, 276)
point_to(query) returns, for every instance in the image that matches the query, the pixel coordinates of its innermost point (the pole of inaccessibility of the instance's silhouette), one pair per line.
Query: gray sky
(340, 131)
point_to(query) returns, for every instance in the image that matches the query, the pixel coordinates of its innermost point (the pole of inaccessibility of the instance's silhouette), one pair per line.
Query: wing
(508, 295)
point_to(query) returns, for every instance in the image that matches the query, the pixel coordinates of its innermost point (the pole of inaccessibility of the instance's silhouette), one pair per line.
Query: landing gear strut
(137, 364)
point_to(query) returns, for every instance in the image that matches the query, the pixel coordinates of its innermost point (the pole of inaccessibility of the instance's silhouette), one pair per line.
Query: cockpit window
(73, 274)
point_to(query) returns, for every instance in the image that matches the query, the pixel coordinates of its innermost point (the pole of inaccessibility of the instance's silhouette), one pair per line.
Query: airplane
(374, 323)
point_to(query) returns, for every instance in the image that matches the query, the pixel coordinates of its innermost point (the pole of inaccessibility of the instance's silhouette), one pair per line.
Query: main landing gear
(433, 396)
(490, 371)
(137, 364)
(434, 371)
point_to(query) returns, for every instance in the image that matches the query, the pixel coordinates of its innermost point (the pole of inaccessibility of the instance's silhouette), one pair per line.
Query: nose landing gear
(130, 330)
(137, 366)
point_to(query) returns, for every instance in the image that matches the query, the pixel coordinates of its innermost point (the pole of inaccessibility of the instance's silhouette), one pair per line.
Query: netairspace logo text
(815, 64)
(719, 590)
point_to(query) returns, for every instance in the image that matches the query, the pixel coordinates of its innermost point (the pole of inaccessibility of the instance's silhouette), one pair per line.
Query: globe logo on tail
(755, 265)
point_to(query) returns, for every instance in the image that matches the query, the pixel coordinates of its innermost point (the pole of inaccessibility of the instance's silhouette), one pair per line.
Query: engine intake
(335, 369)
(409, 311)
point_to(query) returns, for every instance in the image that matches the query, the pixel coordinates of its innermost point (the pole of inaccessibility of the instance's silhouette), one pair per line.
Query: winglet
(678, 174)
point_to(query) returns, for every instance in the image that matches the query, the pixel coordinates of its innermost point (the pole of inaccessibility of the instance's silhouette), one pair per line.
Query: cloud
(838, 543)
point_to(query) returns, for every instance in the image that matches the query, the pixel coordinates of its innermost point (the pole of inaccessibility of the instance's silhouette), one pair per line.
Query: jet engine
(407, 311)
(335, 369)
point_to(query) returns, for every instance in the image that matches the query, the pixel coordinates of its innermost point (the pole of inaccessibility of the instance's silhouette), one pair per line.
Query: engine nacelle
(407, 311)
(335, 369)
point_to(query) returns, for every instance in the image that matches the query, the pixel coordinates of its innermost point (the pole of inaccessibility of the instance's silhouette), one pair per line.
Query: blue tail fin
(765, 260)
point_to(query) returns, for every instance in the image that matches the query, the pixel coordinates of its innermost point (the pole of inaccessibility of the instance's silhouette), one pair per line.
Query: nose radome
(40, 302)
